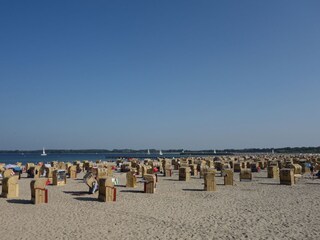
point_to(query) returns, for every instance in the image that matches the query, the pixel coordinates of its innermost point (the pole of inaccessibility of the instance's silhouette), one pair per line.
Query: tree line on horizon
(152, 151)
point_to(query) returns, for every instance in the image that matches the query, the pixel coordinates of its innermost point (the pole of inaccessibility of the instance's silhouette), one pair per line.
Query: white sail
(43, 152)
(214, 151)
(160, 153)
(148, 152)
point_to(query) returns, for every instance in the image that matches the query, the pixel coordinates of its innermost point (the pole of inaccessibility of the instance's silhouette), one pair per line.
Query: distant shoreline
(172, 151)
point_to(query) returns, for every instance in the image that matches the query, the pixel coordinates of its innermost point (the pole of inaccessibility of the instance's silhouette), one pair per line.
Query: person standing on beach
(311, 170)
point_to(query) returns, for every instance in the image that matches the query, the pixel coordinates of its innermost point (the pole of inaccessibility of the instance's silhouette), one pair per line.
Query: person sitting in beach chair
(91, 182)
(115, 181)
(95, 187)
(30, 172)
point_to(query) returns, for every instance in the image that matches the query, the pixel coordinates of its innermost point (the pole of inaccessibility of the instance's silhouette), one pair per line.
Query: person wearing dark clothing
(311, 169)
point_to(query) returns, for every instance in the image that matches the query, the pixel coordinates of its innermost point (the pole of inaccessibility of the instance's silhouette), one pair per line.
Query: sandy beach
(96, 94)
(260, 209)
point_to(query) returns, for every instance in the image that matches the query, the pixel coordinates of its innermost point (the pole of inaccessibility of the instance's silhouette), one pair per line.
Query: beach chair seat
(209, 180)
(287, 176)
(39, 193)
(245, 174)
(10, 187)
(107, 191)
(149, 183)
(131, 179)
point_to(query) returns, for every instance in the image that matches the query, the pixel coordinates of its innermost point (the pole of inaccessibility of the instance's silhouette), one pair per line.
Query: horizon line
(154, 149)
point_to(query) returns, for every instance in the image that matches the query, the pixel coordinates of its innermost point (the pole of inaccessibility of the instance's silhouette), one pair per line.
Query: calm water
(12, 158)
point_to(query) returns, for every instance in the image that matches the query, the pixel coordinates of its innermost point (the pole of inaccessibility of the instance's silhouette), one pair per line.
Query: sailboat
(160, 153)
(214, 151)
(148, 152)
(43, 152)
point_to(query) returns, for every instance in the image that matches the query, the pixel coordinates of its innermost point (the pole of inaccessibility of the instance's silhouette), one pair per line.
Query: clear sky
(159, 74)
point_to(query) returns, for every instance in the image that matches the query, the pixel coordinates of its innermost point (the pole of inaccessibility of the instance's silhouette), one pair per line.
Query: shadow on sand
(264, 183)
(170, 179)
(19, 201)
(132, 191)
(76, 193)
(193, 190)
(313, 183)
(86, 199)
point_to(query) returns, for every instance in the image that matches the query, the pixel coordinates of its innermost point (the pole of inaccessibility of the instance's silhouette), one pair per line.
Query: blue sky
(159, 74)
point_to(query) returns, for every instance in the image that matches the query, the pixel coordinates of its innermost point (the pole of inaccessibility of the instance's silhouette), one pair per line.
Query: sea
(12, 158)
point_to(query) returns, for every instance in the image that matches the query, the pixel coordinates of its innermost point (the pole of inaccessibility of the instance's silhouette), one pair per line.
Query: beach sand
(260, 209)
